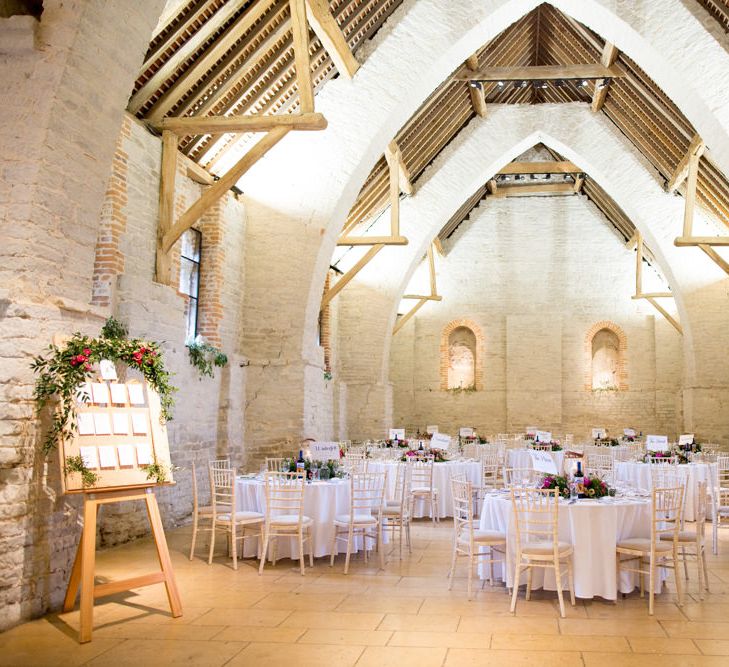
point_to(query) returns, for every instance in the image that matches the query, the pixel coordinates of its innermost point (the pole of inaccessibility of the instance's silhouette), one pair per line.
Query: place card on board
(102, 423)
(629, 432)
(144, 454)
(324, 451)
(136, 394)
(126, 455)
(543, 436)
(598, 433)
(85, 421)
(397, 434)
(83, 393)
(120, 423)
(119, 394)
(433, 428)
(543, 461)
(100, 392)
(656, 443)
(139, 423)
(90, 457)
(465, 432)
(440, 441)
(108, 370)
(107, 457)
(686, 439)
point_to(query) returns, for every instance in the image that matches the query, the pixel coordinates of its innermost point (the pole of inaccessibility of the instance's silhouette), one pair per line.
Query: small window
(190, 278)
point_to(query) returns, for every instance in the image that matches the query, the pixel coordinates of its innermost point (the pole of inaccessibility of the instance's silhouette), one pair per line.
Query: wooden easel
(82, 574)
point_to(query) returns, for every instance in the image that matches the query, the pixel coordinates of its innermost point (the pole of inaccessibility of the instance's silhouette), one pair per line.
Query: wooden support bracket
(609, 56)
(476, 91)
(422, 299)
(331, 37)
(347, 277)
(695, 150)
(407, 316)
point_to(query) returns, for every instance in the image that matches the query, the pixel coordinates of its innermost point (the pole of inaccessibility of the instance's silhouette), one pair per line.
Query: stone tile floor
(401, 616)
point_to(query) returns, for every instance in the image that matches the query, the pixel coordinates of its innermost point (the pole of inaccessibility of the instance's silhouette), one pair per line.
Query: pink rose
(87, 351)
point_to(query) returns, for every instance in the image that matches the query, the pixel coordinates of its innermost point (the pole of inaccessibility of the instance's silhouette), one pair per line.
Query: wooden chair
(492, 476)
(421, 486)
(467, 540)
(536, 529)
(397, 510)
(719, 497)
(519, 477)
(354, 462)
(663, 460)
(276, 464)
(540, 446)
(198, 512)
(695, 540)
(367, 495)
(600, 465)
(219, 463)
(285, 516)
(660, 547)
(225, 516)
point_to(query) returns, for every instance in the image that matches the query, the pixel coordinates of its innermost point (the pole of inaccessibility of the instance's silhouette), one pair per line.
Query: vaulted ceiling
(233, 57)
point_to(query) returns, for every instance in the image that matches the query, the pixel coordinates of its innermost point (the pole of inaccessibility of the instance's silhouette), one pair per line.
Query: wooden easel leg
(163, 554)
(73, 583)
(88, 558)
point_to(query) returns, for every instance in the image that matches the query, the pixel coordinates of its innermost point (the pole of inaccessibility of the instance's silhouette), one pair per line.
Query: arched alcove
(461, 356)
(605, 362)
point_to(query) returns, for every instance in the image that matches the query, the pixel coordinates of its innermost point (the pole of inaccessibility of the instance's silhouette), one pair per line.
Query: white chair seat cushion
(545, 548)
(253, 517)
(643, 544)
(361, 519)
(488, 536)
(683, 536)
(289, 520)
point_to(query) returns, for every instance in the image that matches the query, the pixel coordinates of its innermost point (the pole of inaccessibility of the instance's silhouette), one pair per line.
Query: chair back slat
(367, 493)
(284, 494)
(536, 515)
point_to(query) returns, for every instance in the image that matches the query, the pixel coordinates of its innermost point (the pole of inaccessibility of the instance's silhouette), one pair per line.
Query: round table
(442, 473)
(593, 527)
(521, 458)
(639, 475)
(322, 502)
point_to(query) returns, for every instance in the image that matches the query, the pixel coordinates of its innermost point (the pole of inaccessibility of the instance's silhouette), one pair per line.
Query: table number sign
(440, 441)
(656, 443)
(543, 462)
(543, 436)
(686, 439)
(324, 451)
(598, 433)
(433, 428)
(629, 432)
(397, 434)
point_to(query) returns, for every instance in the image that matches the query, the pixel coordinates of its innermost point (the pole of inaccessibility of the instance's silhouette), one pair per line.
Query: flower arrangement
(411, 453)
(205, 356)
(553, 444)
(64, 368)
(439, 455)
(610, 442)
(596, 488)
(399, 443)
(657, 455)
(557, 482)
(592, 487)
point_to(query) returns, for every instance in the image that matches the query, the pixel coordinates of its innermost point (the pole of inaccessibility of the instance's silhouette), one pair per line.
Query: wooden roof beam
(545, 167)
(192, 125)
(530, 189)
(478, 98)
(542, 73)
(695, 151)
(395, 153)
(331, 37)
(608, 57)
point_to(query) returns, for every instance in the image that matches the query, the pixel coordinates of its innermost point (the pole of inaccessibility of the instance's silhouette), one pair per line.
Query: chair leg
(311, 546)
(515, 584)
(349, 548)
(571, 580)
(700, 570)
(264, 550)
(530, 571)
(685, 563)
(194, 534)
(452, 571)
(212, 543)
(381, 545)
(235, 542)
(400, 534)
(470, 575)
(651, 584)
(301, 553)
(703, 563)
(558, 579)
(334, 546)
(679, 585)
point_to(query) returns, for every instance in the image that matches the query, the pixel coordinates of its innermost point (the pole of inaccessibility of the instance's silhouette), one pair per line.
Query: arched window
(605, 345)
(461, 356)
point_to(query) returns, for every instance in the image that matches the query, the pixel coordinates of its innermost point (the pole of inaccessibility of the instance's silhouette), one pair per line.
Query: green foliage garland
(76, 464)
(204, 356)
(64, 368)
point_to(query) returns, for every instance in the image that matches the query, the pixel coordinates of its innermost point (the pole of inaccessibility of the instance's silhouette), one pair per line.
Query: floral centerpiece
(396, 443)
(557, 482)
(592, 487)
(608, 442)
(657, 455)
(439, 455)
(596, 488)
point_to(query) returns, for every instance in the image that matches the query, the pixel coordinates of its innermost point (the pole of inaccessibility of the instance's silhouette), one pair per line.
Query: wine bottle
(579, 480)
(300, 464)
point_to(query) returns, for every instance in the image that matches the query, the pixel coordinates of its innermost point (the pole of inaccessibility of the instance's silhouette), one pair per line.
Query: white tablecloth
(639, 475)
(442, 473)
(521, 458)
(322, 502)
(593, 528)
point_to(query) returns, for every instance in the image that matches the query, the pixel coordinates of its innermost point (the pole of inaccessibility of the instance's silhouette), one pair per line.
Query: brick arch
(444, 355)
(622, 353)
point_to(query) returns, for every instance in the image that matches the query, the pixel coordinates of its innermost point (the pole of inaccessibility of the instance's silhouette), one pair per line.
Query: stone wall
(536, 275)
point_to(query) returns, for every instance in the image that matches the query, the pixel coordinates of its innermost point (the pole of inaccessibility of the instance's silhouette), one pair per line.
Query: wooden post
(639, 264)
(331, 37)
(688, 211)
(431, 267)
(609, 56)
(168, 171)
(478, 100)
(392, 156)
(300, 33)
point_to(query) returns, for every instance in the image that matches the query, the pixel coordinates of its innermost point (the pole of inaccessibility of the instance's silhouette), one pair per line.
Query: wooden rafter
(300, 32)
(328, 32)
(476, 90)
(541, 188)
(693, 154)
(541, 167)
(542, 73)
(421, 299)
(347, 277)
(607, 59)
(239, 124)
(651, 297)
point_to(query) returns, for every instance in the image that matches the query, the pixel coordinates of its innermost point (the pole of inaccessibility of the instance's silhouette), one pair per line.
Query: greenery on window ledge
(461, 390)
(205, 357)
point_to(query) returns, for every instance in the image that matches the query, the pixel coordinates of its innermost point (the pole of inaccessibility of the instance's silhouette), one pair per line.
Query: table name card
(629, 432)
(465, 432)
(686, 439)
(108, 370)
(543, 462)
(440, 441)
(324, 451)
(598, 433)
(543, 436)
(433, 428)
(656, 443)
